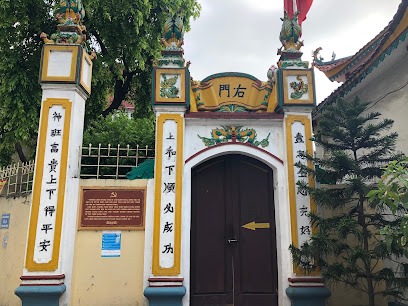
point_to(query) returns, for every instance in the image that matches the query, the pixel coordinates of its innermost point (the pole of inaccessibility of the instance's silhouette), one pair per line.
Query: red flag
(288, 5)
(302, 5)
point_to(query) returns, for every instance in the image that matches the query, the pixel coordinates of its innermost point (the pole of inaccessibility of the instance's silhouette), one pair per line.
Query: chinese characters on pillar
(168, 194)
(302, 198)
(44, 241)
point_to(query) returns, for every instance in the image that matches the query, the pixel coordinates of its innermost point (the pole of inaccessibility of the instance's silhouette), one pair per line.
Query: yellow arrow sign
(253, 226)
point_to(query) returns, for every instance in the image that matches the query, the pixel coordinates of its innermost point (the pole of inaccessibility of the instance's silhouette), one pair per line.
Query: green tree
(121, 132)
(347, 245)
(118, 128)
(125, 35)
(392, 193)
(21, 23)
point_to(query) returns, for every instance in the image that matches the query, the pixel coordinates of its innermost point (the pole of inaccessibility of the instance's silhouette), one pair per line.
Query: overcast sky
(243, 35)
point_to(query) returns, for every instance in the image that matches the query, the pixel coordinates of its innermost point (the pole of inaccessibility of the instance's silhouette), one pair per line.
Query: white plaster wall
(203, 127)
(386, 86)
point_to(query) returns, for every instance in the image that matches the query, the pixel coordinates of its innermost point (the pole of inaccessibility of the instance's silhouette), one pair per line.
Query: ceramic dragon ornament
(167, 88)
(172, 40)
(299, 88)
(234, 134)
(173, 30)
(70, 29)
(290, 33)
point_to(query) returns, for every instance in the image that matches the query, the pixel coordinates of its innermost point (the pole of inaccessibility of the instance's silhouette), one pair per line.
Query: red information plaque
(108, 208)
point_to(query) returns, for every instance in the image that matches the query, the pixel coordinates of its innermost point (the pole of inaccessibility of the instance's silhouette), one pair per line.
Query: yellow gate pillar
(170, 98)
(296, 92)
(65, 77)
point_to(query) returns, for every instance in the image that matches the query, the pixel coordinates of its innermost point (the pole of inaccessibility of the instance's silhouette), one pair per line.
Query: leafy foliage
(347, 245)
(21, 23)
(125, 35)
(119, 128)
(392, 193)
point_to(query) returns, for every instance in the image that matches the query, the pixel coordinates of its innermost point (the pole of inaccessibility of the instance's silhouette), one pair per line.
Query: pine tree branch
(358, 149)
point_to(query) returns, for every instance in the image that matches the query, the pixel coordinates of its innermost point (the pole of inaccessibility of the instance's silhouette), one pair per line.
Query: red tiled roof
(330, 65)
(386, 37)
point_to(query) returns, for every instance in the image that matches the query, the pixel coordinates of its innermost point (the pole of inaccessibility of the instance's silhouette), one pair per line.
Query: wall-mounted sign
(111, 241)
(232, 92)
(5, 220)
(112, 208)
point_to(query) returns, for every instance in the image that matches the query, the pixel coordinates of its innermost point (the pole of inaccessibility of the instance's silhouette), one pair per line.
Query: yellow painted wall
(12, 256)
(346, 296)
(342, 296)
(100, 280)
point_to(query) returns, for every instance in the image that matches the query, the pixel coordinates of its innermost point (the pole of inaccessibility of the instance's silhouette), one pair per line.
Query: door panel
(257, 248)
(231, 264)
(208, 252)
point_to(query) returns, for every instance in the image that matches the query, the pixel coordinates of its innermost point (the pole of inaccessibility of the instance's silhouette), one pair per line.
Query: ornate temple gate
(233, 242)
(225, 206)
(226, 203)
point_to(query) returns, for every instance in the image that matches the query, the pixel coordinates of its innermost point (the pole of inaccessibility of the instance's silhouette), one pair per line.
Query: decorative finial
(173, 30)
(315, 53)
(290, 33)
(70, 29)
(172, 40)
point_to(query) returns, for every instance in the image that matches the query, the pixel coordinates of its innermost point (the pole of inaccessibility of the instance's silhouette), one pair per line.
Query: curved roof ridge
(321, 63)
(353, 59)
(359, 74)
(327, 66)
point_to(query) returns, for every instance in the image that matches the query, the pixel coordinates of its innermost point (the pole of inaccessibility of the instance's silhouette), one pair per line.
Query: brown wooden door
(232, 265)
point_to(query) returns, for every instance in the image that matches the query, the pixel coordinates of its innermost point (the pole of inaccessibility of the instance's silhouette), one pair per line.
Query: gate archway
(233, 236)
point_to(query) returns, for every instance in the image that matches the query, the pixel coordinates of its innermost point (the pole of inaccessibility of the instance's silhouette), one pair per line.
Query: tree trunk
(370, 288)
(363, 224)
(20, 152)
(120, 91)
(367, 266)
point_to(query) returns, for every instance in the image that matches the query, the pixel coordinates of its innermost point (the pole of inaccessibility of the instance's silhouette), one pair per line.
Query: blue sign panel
(5, 220)
(111, 243)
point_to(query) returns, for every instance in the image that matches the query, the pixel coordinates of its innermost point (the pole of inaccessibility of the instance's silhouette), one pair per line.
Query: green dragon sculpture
(290, 33)
(299, 88)
(70, 29)
(167, 88)
(235, 134)
(173, 30)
